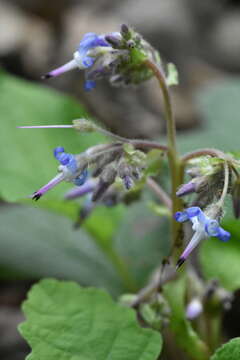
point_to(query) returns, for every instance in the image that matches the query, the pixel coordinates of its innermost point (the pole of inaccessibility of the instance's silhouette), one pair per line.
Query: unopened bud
(125, 173)
(128, 182)
(124, 170)
(124, 30)
(109, 175)
(194, 309)
(186, 189)
(103, 161)
(84, 125)
(197, 185)
(114, 41)
(107, 178)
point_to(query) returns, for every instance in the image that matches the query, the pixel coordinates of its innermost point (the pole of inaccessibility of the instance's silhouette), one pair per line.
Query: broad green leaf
(39, 243)
(26, 156)
(220, 260)
(69, 322)
(142, 240)
(228, 351)
(218, 105)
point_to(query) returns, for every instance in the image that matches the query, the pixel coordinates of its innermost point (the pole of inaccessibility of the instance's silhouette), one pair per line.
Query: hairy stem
(136, 142)
(203, 152)
(174, 161)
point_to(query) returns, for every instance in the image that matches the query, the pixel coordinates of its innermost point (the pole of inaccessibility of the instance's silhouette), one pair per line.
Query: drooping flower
(203, 227)
(72, 169)
(119, 56)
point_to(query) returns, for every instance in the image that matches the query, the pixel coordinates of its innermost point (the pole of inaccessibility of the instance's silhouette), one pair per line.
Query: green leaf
(69, 322)
(26, 155)
(228, 351)
(39, 243)
(218, 105)
(142, 240)
(220, 260)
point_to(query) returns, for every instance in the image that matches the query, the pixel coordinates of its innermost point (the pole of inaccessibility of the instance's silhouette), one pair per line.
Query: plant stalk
(174, 160)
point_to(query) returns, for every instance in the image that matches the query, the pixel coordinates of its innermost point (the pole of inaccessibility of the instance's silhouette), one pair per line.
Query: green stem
(213, 330)
(186, 337)
(174, 160)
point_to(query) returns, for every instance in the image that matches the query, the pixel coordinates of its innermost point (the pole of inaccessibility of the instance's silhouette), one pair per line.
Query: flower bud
(107, 178)
(186, 189)
(125, 30)
(197, 185)
(194, 309)
(104, 160)
(84, 125)
(113, 40)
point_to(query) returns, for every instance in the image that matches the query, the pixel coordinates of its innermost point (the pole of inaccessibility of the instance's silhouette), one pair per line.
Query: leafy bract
(69, 322)
(228, 351)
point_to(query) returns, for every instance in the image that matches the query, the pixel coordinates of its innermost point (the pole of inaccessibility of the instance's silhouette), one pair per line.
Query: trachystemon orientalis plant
(109, 173)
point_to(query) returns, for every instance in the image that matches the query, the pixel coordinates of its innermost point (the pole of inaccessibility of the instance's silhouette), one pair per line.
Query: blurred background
(201, 37)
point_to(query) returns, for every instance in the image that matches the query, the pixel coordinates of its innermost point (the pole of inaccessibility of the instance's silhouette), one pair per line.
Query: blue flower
(118, 56)
(203, 227)
(88, 42)
(70, 170)
(92, 49)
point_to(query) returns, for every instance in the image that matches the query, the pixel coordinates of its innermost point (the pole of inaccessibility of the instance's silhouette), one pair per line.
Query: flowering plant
(109, 173)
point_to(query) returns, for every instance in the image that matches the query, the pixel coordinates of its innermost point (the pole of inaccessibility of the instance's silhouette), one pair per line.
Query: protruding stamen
(180, 262)
(46, 127)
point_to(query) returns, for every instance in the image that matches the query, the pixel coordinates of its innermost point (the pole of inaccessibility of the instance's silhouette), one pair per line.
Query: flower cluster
(109, 163)
(203, 227)
(118, 56)
(207, 177)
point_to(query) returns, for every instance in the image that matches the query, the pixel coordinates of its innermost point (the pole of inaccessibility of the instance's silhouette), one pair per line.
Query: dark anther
(36, 196)
(47, 76)
(180, 262)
